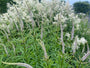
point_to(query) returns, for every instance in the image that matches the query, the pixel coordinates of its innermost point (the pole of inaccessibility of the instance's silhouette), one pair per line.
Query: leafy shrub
(81, 7)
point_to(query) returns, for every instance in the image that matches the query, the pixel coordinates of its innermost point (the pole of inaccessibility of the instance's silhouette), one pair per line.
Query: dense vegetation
(81, 7)
(43, 35)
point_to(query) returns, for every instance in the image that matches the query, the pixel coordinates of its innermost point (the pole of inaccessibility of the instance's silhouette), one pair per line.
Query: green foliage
(81, 7)
(28, 50)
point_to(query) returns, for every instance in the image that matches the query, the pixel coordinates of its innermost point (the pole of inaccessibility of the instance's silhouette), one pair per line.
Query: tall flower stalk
(41, 26)
(13, 47)
(85, 56)
(87, 47)
(72, 33)
(8, 29)
(6, 34)
(5, 48)
(41, 31)
(19, 64)
(44, 49)
(31, 15)
(75, 45)
(20, 18)
(11, 22)
(16, 26)
(63, 45)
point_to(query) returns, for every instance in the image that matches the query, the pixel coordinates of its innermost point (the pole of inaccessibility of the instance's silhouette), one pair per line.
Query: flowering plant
(30, 28)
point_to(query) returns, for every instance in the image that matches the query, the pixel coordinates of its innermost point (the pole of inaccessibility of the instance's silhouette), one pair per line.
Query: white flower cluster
(80, 41)
(60, 17)
(67, 35)
(14, 12)
(82, 14)
(66, 13)
(25, 10)
(22, 8)
(83, 40)
(74, 18)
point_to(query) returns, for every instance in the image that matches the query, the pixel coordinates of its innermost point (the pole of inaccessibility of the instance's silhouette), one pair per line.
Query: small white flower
(65, 25)
(83, 40)
(77, 26)
(60, 17)
(56, 17)
(77, 21)
(54, 22)
(39, 6)
(68, 35)
(78, 41)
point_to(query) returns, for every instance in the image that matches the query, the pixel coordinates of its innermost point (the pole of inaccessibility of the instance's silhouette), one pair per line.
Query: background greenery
(3, 5)
(81, 7)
